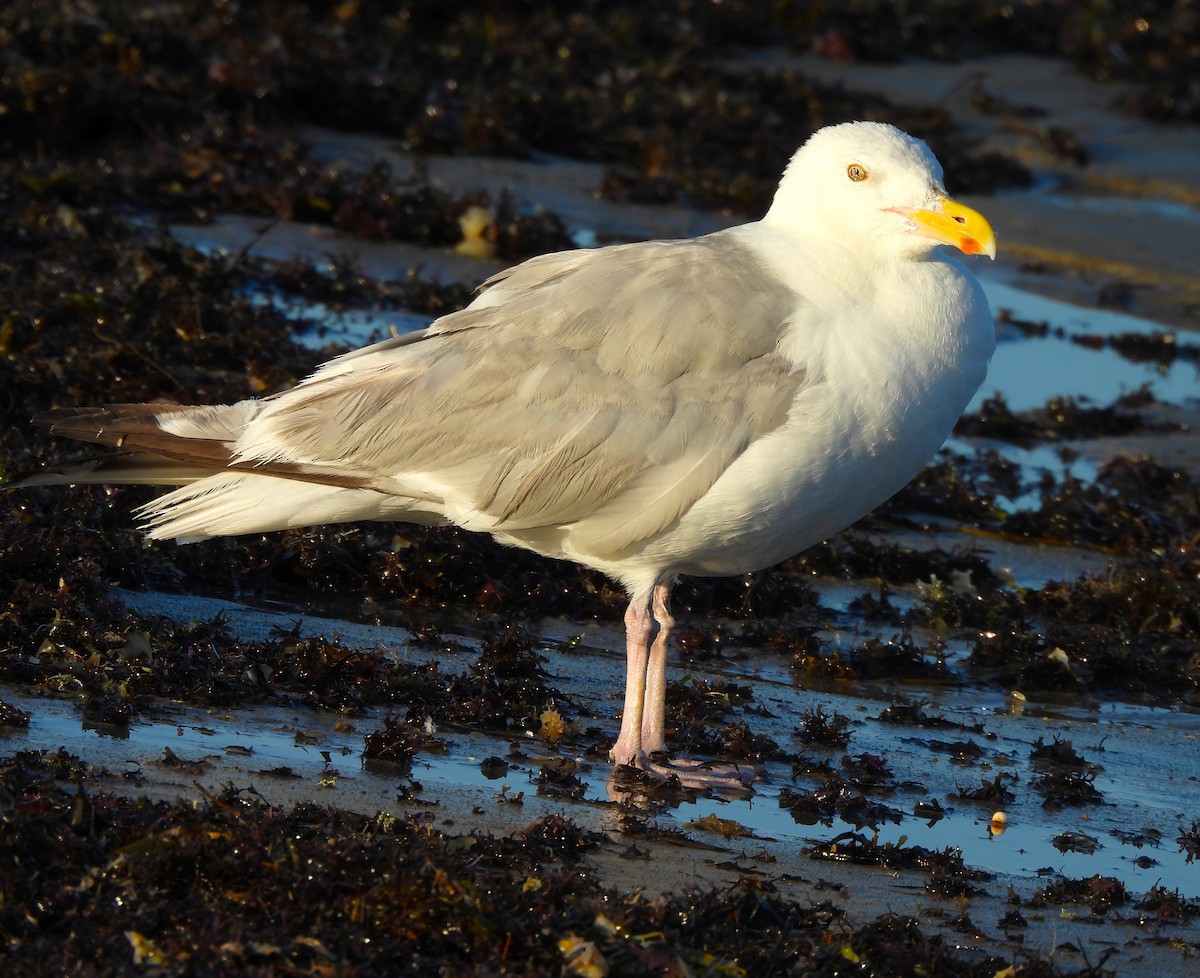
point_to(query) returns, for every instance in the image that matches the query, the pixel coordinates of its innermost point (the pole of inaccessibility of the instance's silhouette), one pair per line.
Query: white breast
(888, 393)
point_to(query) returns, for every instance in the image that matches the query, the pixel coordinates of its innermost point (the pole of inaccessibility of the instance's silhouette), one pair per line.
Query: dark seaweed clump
(1156, 46)
(949, 876)
(1101, 893)
(1062, 418)
(821, 729)
(1086, 641)
(193, 106)
(1064, 777)
(168, 891)
(701, 719)
(850, 791)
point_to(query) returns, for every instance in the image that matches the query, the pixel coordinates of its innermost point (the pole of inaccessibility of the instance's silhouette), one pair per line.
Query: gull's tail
(159, 444)
(192, 447)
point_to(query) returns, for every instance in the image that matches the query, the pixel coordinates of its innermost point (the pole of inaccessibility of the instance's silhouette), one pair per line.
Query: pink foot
(658, 774)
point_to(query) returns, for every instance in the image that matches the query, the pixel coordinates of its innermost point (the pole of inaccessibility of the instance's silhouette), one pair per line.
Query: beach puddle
(1074, 360)
(1139, 759)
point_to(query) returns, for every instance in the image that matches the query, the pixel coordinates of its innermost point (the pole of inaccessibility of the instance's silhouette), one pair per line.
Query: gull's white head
(877, 190)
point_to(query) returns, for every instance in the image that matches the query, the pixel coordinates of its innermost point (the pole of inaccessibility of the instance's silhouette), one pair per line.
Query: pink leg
(639, 634)
(648, 625)
(655, 705)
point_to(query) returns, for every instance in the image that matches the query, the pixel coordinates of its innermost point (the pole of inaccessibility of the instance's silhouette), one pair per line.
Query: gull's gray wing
(606, 390)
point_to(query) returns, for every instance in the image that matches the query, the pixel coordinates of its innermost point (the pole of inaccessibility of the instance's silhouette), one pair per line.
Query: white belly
(798, 487)
(885, 394)
(850, 444)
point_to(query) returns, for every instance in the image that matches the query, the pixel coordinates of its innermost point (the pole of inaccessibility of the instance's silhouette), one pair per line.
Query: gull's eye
(857, 172)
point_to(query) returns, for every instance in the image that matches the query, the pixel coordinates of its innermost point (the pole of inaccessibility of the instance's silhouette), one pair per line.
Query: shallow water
(1030, 371)
(1146, 756)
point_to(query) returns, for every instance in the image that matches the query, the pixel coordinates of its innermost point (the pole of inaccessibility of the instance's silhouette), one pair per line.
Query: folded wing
(601, 392)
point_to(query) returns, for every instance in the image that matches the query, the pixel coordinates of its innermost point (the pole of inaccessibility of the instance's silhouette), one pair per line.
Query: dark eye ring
(857, 172)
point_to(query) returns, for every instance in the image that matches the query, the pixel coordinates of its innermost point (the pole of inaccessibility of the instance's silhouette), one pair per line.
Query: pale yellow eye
(857, 172)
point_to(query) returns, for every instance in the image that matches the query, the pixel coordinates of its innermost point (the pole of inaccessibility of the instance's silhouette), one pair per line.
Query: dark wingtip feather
(69, 417)
(108, 425)
(151, 456)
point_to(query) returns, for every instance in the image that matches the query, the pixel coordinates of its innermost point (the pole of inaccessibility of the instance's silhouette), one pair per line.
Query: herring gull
(706, 406)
